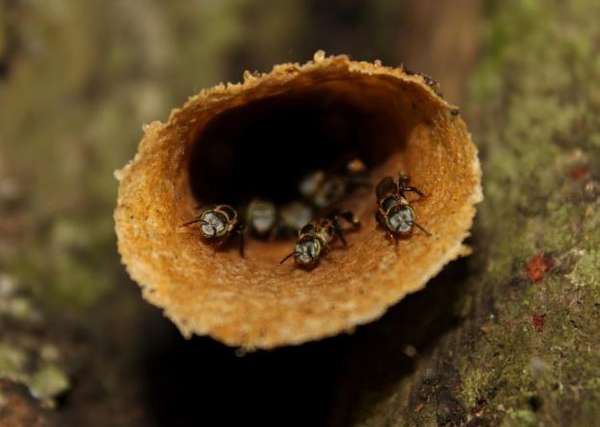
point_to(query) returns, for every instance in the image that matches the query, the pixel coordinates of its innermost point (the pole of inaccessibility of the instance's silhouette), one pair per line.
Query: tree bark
(509, 336)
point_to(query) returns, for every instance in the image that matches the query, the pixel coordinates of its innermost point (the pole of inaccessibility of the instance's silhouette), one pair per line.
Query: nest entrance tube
(257, 139)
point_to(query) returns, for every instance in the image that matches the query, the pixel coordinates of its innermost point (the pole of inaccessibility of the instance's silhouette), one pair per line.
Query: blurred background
(77, 81)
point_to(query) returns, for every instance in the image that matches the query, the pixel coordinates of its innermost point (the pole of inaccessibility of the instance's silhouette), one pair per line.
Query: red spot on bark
(580, 172)
(537, 320)
(537, 266)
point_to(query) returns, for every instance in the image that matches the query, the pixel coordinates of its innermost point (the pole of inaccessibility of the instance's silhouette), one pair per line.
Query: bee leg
(412, 189)
(241, 231)
(218, 244)
(403, 186)
(380, 220)
(337, 228)
(340, 233)
(350, 218)
(415, 190)
(392, 237)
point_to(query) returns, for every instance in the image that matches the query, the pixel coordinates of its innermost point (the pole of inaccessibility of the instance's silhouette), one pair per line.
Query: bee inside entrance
(264, 148)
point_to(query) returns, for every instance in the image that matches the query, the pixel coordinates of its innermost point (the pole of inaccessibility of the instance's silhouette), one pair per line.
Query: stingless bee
(316, 237)
(261, 217)
(292, 217)
(324, 189)
(394, 213)
(267, 221)
(218, 224)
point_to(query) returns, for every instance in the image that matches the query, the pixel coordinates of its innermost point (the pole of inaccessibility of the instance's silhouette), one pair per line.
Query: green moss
(35, 367)
(12, 362)
(560, 225)
(48, 382)
(474, 384)
(538, 86)
(587, 269)
(521, 418)
(590, 224)
(108, 68)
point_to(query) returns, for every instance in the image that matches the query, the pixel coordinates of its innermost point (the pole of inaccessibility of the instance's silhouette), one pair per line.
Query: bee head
(213, 224)
(308, 251)
(330, 192)
(401, 219)
(261, 216)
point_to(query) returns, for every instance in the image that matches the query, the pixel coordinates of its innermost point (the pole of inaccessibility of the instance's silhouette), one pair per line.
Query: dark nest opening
(264, 148)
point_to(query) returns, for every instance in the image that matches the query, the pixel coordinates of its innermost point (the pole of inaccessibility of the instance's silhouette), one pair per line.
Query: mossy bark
(521, 345)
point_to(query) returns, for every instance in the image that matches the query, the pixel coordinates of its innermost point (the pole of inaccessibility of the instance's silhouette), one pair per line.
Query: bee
(261, 217)
(266, 220)
(316, 237)
(324, 189)
(394, 213)
(218, 224)
(292, 217)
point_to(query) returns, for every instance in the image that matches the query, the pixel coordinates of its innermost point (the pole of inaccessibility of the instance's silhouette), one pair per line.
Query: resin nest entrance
(232, 143)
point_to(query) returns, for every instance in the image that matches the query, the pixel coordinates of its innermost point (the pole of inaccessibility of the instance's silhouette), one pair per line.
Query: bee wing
(386, 186)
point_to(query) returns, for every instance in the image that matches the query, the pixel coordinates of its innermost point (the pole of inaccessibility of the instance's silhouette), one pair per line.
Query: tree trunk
(509, 336)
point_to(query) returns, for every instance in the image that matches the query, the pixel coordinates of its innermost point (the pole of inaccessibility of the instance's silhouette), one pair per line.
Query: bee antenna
(288, 257)
(422, 229)
(194, 221)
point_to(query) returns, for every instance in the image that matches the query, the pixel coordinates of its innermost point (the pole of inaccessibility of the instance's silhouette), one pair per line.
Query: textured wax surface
(253, 301)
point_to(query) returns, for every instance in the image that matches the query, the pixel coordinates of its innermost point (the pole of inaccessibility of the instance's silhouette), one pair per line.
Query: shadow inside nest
(330, 382)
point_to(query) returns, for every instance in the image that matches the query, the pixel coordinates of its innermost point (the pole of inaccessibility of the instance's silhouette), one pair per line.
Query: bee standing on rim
(316, 237)
(394, 213)
(218, 224)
